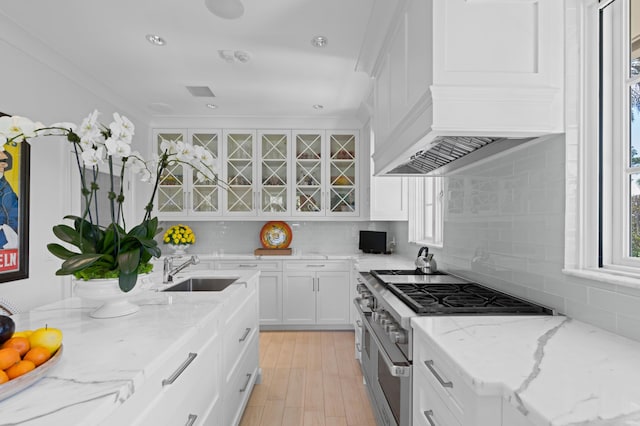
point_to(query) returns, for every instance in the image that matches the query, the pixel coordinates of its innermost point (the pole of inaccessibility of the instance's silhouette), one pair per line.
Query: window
(425, 211)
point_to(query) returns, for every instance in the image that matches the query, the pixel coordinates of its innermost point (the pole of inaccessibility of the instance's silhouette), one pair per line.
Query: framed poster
(14, 211)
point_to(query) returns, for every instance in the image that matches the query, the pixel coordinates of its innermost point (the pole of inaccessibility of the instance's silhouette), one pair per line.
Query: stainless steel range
(387, 301)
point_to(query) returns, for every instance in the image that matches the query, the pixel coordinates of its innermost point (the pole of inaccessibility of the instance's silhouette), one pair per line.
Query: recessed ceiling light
(318, 106)
(319, 41)
(155, 40)
(212, 106)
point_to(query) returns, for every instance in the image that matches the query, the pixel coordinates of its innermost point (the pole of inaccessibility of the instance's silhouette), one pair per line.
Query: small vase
(179, 249)
(115, 302)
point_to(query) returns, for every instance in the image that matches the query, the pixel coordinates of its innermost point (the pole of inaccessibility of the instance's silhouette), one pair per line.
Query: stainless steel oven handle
(394, 370)
(431, 368)
(429, 414)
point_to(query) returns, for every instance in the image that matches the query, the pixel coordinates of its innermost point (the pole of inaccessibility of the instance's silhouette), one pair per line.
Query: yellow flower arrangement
(179, 235)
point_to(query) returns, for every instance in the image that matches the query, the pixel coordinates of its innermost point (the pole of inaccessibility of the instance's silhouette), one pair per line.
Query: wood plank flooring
(309, 378)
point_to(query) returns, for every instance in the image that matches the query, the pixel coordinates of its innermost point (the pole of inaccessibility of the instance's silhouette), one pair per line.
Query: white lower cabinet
(316, 293)
(269, 287)
(441, 397)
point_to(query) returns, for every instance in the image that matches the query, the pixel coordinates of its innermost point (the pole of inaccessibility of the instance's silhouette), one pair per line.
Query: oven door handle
(394, 370)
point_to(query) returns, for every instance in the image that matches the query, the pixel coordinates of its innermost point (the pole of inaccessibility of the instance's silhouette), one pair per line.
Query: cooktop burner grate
(461, 298)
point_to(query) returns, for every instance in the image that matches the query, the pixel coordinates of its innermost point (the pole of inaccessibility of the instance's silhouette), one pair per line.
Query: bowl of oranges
(26, 356)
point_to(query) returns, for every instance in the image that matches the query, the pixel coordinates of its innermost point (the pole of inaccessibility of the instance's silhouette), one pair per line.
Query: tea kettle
(425, 262)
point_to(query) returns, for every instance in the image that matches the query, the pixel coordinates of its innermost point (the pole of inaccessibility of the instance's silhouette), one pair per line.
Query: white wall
(35, 90)
(504, 227)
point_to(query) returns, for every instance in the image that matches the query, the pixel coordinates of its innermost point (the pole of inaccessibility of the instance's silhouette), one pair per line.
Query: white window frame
(425, 211)
(582, 207)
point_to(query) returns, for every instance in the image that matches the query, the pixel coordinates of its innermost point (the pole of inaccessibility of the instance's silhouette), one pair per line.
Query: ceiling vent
(200, 91)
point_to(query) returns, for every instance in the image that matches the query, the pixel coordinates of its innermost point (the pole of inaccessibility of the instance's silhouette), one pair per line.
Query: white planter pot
(114, 302)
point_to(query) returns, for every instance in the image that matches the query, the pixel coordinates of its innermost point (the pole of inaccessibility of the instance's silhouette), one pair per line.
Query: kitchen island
(117, 371)
(549, 370)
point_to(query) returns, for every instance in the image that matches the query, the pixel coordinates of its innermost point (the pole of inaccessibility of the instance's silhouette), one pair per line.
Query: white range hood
(478, 78)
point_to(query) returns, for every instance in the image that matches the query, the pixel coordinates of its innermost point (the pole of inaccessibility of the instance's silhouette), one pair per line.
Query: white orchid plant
(109, 251)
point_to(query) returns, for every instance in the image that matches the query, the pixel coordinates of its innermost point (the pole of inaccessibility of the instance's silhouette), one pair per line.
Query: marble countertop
(387, 259)
(106, 360)
(555, 370)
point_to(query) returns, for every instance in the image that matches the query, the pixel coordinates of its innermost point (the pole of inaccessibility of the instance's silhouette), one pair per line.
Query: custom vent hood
(456, 82)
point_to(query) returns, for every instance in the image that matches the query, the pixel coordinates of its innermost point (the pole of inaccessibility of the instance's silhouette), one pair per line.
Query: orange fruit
(3, 377)
(38, 355)
(21, 344)
(19, 368)
(8, 357)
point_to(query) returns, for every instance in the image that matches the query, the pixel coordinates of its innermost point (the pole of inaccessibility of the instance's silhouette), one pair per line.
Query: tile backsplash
(504, 227)
(235, 237)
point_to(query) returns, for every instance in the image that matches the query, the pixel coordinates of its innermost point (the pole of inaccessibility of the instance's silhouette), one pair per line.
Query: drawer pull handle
(180, 369)
(316, 266)
(429, 365)
(244, 336)
(428, 414)
(246, 384)
(248, 265)
(191, 420)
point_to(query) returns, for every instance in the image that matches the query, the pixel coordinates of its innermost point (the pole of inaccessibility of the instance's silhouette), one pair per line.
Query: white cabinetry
(467, 68)
(316, 292)
(186, 388)
(239, 172)
(269, 287)
(440, 396)
(180, 193)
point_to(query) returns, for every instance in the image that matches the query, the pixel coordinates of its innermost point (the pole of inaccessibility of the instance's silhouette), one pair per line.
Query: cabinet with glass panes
(274, 170)
(326, 173)
(181, 192)
(239, 172)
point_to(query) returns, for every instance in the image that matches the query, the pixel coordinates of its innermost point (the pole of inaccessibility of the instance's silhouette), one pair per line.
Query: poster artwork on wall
(14, 211)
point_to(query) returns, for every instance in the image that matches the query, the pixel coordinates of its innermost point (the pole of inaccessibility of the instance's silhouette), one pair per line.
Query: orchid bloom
(117, 147)
(121, 129)
(93, 157)
(17, 128)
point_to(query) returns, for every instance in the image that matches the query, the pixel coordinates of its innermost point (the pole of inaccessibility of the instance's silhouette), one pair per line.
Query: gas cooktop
(443, 294)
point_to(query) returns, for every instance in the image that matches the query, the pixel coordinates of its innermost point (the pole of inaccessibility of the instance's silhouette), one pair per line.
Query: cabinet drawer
(238, 390)
(252, 265)
(240, 329)
(440, 375)
(316, 265)
(429, 409)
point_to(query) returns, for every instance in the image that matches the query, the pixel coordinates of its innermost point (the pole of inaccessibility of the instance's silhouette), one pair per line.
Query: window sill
(428, 244)
(625, 279)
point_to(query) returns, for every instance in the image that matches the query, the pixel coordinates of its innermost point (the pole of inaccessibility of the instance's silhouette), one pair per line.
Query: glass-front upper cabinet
(274, 169)
(309, 172)
(180, 190)
(343, 173)
(239, 173)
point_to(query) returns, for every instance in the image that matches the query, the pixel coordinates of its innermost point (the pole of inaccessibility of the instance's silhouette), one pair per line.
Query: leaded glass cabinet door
(172, 182)
(204, 194)
(343, 173)
(274, 172)
(308, 154)
(239, 172)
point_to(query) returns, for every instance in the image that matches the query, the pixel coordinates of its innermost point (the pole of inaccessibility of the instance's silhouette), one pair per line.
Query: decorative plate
(275, 234)
(14, 386)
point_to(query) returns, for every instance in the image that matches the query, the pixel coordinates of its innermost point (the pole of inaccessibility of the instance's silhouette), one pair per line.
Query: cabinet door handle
(180, 369)
(359, 323)
(191, 420)
(428, 414)
(429, 365)
(248, 265)
(318, 283)
(313, 284)
(244, 336)
(358, 347)
(246, 384)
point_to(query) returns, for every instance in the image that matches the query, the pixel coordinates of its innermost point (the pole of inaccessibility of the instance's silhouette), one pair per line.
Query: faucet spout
(169, 271)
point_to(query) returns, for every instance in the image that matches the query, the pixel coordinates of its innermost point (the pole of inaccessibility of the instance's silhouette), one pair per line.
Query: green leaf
(79, 262)
(71, 236)
(128, 281)
(60, 252)
(128, 261)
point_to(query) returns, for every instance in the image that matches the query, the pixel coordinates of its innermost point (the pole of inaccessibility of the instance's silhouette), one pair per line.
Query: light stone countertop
(555, 370)
(106, 360)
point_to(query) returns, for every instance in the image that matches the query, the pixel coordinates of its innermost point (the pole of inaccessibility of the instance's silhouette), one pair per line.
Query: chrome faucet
(168, 271)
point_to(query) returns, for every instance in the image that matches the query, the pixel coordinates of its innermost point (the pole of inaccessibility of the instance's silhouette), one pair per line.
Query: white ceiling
(285, 77)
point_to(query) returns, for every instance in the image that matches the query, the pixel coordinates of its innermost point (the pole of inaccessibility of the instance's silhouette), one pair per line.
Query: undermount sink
(202, 284)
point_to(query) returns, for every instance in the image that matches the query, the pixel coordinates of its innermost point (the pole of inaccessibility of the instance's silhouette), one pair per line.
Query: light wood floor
(310, 378)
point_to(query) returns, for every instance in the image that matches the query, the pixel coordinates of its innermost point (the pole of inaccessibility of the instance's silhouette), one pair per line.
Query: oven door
(390, 376)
